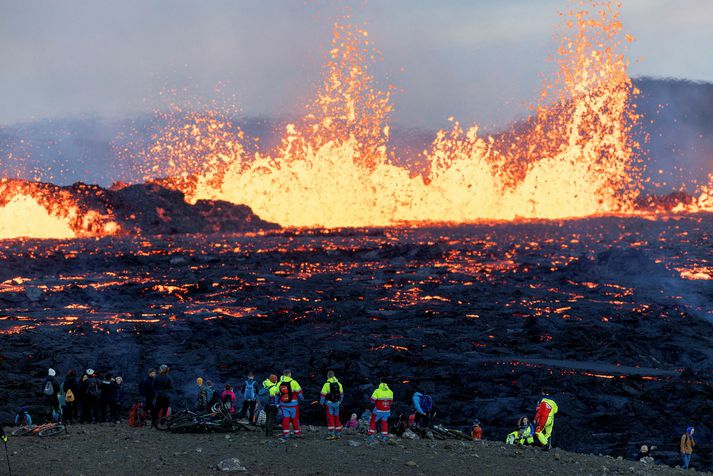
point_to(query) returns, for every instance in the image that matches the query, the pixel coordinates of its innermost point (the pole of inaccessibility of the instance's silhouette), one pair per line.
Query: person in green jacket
(331, 398)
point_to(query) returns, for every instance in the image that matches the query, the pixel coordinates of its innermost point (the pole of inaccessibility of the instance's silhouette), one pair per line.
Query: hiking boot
(383, 438)
(331, 437)
(338, 436)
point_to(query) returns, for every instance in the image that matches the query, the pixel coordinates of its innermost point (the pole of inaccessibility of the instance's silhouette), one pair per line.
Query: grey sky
(477, 60)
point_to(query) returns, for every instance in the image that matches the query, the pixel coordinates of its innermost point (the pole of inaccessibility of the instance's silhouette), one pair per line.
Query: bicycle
(48, 429)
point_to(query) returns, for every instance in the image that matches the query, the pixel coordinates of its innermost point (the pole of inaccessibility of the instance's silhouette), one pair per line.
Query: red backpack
(137, 415)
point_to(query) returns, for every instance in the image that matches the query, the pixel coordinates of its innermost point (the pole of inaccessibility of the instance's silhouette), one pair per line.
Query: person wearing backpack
(289, 395)
(51, 389)
(163, 386)
(268, 403)
(424, 409)
(211, 395)
(331, 398)
(23, 418)
(228, 398)
(249, 390)
(70, 386)
(686, 447)
(382, 399)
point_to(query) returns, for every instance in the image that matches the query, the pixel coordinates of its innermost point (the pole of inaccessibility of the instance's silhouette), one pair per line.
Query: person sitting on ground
(164, 387)
(353, 423)
(477, 431)
(202, 397)
(51, 389)
(382, 399)
(289, 395)
(249, 390)
(686, 447)
(331, 398)
(228, 398)
(23, 418)
(646, 454)
(524, 435)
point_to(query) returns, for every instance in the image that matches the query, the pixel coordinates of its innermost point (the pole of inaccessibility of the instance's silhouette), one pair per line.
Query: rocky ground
(119, 449)
(613, 315)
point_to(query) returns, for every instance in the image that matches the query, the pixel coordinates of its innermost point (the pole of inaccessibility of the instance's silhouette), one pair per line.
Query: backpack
(49, 389)
(249, 392)
(426, 403)
(69, 396)
(93, 387)
(137, 415)
(335, 393)
(286, 393)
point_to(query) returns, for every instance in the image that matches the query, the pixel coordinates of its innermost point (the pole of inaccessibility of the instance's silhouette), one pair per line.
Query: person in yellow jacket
(524, 435)
(382, 399)
(545, 420)
(289, 395)
(331, 398)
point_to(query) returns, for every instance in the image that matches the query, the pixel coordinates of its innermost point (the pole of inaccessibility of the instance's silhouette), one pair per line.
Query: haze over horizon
(478, 61)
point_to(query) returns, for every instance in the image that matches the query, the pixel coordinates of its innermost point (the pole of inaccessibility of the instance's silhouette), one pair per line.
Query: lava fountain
(574, 157)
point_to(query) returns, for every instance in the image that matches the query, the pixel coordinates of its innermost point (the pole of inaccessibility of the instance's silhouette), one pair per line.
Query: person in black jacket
(89, 395)
(148, 393)
(51, 389)
(118, 384)
(107, 397)
(163, 386)
(71, 396)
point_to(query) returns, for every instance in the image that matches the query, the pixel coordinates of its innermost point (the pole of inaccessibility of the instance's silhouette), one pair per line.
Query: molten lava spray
(574, 158)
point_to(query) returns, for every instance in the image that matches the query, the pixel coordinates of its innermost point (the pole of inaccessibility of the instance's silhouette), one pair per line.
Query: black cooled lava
(612, 314)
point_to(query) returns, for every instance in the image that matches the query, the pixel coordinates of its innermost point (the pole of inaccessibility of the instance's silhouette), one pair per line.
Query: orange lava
(574, 157)
(37, 210)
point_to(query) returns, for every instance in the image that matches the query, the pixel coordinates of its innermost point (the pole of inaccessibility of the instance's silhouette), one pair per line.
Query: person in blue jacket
(423, 404)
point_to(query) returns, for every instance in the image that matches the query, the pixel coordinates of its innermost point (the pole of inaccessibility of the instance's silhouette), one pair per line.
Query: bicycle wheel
(52, 431)
(184, 427)
(22, 431)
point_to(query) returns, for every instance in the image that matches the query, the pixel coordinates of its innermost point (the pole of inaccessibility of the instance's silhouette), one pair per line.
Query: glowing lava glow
(39, 210)
(22, 216)
(574, 157)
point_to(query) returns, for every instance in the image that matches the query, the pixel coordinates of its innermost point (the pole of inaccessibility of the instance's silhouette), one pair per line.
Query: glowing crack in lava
(574, 157)
(22, 216)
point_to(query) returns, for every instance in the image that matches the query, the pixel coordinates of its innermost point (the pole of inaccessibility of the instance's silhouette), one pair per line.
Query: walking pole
(7, 456)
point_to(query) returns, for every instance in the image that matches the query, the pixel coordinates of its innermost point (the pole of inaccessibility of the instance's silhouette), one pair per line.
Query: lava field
(613, 314)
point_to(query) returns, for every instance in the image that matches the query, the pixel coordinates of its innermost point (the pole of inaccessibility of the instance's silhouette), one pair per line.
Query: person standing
(269, 403)
(51, 389)
(331, 398)
(118, 399)
(289, 395)
(201, 396)
(249, 390)
(382, 399)
(148, 393)
(686, 447)
(71, 396)
(163, 386)
(545, 420)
